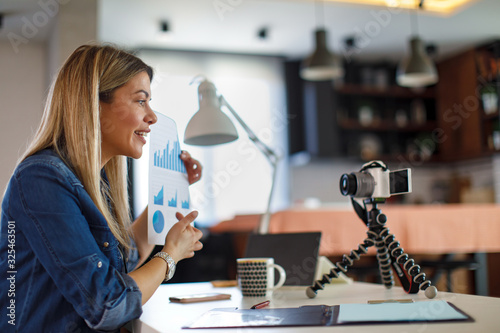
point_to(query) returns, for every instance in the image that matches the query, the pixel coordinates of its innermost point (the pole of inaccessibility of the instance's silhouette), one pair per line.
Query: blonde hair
(71, 126)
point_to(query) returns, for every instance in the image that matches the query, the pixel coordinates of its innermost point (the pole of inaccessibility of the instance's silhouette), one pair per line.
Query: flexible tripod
(389, 253)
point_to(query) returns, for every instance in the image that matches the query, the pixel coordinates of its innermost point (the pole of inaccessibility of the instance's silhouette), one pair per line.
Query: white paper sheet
(168, 182)
(387, 312)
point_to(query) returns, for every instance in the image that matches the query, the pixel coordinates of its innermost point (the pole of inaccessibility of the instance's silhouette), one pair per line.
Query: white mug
(256, 276)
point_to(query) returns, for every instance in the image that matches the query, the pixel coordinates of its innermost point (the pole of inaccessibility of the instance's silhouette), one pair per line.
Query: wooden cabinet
(488, 86)
(467, 130)
(459, 110)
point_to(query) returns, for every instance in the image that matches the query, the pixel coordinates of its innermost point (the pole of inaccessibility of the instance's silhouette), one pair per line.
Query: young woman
(70, 252)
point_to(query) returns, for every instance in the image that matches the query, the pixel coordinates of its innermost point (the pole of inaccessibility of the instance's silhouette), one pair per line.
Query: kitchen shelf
(378, 119)
(383, 126)
(390, 91)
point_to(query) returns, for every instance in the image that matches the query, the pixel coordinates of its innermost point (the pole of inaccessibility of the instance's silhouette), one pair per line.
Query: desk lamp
(210, 126)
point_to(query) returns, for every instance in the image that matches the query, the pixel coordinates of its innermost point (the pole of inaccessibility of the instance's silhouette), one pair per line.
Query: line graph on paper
(168, 183)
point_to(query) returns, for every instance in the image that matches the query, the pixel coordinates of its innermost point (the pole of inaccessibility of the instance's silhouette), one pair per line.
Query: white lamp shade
(209, 126)
(321, 65)
(417, 70)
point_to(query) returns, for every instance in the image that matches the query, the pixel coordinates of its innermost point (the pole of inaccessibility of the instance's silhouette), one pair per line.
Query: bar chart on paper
(168, 157)
(168, 183)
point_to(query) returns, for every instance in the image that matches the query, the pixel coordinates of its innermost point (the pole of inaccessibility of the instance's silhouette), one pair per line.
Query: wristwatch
(170, 263)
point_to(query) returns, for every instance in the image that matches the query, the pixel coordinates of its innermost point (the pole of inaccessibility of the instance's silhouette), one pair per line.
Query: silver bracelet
(170, 264)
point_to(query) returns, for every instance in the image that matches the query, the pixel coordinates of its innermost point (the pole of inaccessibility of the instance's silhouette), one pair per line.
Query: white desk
(162, 316)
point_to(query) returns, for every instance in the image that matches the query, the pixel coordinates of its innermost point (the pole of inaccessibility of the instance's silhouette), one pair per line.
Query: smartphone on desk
(199, 298)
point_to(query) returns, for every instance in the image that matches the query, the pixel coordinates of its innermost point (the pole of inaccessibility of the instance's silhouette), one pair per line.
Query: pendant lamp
(417, 70)
(322, 64)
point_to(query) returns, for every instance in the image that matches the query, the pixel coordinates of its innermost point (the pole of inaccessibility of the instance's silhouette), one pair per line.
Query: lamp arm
(271, 156)
(265, 149)
(266, 217)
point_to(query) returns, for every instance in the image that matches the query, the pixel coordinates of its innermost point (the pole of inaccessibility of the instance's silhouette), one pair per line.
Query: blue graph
(168, 158)
(158, 199)
(173, 202)
(185, 204)
(158, 221)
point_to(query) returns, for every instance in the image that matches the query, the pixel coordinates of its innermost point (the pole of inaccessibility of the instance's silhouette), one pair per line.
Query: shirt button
(106, 244)
(99, 264)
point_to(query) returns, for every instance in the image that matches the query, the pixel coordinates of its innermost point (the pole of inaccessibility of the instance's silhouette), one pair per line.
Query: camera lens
(357, 184)
(348, 184)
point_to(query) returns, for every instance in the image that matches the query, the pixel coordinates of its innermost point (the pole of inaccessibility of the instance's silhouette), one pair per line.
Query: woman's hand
(181, 242)
(193, 167)
(183, 239)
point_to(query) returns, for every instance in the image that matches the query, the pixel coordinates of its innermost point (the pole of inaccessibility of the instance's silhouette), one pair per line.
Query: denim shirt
(61, 269)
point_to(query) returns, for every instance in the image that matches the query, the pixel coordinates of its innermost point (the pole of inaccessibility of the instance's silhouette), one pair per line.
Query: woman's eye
(142, 102)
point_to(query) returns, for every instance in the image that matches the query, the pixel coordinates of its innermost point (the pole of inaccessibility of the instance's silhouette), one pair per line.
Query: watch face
(170, 263)
(171, 270)
(171, 267)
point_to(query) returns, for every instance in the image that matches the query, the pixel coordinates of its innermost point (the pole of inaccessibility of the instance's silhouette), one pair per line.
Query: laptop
(297, 253)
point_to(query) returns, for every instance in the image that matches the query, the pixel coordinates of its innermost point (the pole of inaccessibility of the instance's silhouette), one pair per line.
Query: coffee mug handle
(282, 272)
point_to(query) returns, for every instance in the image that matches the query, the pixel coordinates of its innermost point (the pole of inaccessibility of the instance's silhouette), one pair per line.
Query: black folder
(325, 315)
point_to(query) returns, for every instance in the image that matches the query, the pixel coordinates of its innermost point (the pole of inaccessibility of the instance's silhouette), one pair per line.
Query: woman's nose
(151, 117)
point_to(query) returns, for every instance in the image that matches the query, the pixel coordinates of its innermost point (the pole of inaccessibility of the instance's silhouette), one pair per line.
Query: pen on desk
(404, 300)
(260, 305)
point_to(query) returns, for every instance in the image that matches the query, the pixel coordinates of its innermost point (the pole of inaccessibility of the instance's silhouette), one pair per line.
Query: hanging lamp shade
(209, 126)
(417, 70)
(321, 65)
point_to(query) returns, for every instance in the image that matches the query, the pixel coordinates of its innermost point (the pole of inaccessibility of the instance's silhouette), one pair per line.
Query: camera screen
(400, 181)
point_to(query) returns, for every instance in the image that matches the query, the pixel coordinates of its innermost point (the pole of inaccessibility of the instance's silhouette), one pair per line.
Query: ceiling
(233, 25)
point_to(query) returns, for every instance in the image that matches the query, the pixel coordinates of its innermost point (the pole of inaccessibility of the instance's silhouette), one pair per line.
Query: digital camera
(375, 180)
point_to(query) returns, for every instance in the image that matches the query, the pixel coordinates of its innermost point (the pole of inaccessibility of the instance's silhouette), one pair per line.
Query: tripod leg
(409, 265)
(384, 261)
(341, 266)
